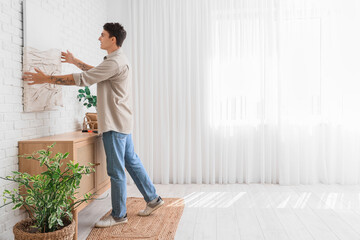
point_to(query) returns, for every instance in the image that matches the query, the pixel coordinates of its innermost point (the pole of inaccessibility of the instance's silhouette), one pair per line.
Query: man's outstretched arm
(39, 78)
(104, 71)
(83, 66)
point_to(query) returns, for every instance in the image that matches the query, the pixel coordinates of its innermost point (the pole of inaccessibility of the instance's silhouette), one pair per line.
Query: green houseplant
(90, 119)
(48, 197)
(88, 99)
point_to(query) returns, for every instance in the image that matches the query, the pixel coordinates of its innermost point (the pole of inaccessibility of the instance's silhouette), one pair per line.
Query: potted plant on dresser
(89, 100)
(49, 197)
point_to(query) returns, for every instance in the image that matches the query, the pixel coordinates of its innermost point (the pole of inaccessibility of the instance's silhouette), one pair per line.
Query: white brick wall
(82, 24)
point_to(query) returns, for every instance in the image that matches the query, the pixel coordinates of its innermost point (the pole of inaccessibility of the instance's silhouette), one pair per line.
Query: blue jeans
(119, 149)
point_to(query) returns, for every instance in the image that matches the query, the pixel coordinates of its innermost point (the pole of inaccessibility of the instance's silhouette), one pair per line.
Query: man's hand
(35, 78)
(67, 57)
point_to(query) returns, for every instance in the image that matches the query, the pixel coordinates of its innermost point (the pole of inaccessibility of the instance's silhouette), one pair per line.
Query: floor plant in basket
(49, 197)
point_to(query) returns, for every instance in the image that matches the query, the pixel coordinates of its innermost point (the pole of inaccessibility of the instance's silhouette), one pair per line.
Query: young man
(113, 78)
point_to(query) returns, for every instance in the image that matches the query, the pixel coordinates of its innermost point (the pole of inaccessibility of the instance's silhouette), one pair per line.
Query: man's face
(105, 41)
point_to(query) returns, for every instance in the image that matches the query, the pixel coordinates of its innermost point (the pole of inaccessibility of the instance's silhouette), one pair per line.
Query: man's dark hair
(116, 30)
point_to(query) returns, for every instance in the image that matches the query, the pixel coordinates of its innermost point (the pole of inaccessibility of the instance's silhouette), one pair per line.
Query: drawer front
(86, 154)
(101, 172)
(32, 166)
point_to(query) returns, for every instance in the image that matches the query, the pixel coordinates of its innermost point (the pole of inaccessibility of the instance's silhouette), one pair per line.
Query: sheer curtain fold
(246, 91)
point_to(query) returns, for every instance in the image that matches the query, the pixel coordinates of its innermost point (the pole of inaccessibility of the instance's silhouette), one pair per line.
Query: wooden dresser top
(77, 136)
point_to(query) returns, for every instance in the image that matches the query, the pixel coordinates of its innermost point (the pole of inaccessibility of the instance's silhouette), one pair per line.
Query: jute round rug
(161, 224)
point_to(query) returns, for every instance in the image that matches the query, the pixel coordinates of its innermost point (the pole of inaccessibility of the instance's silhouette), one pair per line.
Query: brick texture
(82, 22)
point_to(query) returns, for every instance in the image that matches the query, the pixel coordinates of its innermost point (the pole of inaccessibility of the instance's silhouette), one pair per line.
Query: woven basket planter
(66, 233)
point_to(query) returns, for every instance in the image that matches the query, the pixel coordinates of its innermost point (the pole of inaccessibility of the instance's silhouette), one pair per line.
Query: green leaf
(52, 145)
(69, 214)
(89, 105)
(56, 176)
(81, 91)
(65, 155)
(18, 205)
(60, 222)
(87, 90)
(42, 152)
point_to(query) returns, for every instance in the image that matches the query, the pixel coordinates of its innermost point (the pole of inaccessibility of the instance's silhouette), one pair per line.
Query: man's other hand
(35, 78)
(67, 57)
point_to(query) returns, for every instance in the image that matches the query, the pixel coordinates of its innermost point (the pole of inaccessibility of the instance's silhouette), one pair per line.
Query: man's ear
(113, 39)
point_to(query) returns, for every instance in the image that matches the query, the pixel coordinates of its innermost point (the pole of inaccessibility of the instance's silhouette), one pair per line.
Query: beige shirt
(113, 78)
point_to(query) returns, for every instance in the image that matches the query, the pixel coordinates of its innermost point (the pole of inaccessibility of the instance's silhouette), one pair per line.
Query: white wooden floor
(254, 211)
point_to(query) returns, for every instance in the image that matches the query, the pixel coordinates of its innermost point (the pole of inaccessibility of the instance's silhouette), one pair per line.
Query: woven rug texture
(161, 224)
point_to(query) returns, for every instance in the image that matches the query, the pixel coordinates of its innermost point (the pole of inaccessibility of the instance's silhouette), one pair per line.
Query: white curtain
(247, 91)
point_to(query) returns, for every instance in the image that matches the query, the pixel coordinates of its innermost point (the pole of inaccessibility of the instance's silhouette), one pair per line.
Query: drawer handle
(97, 164)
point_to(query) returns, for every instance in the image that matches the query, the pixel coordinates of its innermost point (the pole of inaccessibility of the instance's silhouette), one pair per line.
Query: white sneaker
(111, 221)
(151, 206)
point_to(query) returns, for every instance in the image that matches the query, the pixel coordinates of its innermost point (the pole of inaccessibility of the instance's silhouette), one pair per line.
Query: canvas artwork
(40, 97)
(42, 41)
